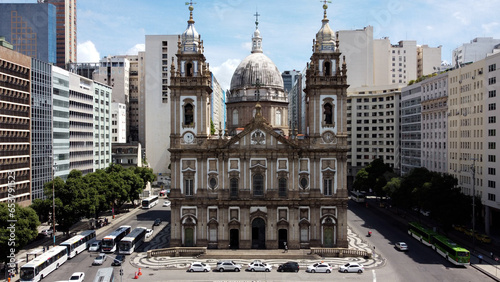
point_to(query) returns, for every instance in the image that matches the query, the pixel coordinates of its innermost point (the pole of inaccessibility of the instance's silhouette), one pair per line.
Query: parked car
(95, 247)
(258, 265)
(227, 265)
(352, 267)
(149, 232)
(157, 222)
(99, 260)
(319, 267)
(166, 204)
(483, 238)
(77, 276)
(119, 259)
(198, 266)
(290, 266)
(401, 246)
(48, 232)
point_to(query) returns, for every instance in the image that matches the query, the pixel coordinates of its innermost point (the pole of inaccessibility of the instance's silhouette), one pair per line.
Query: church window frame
(282, 187)
(278, 117)
(235, 116)
(189, 69)
(328, 186)
(188, 114)
(258, 184)
(328, 113)
(327, 66)
(233, 187)
(188, 186)
(304, 182)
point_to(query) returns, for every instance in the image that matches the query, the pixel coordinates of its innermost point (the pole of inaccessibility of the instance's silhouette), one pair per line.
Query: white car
(319, 267)
(199, 266)
(99, 260)
(149, 232)
(95, 247)
(48, 232)
(258, 265)
(352, 267)
(77, 276)
(166, 204)
(401, 246)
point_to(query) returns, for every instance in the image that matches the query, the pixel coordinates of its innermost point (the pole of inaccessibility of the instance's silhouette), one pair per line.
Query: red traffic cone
(140, 272)
(136, 277)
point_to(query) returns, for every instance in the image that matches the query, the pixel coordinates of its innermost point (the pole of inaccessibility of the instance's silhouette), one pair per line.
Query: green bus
(421, 233)
(450, 250)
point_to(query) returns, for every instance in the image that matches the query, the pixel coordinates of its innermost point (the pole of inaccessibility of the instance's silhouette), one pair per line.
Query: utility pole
(473, 204)
(54, 167)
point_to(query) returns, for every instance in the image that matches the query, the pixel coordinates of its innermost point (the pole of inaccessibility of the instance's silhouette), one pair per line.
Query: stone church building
(258, 185)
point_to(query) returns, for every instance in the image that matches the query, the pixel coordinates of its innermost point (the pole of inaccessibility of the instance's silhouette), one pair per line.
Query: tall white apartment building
(477, 49)
(159, 53)
(435, 123)
(491, 193)
(102, 128)
(411, 127)
(81, 123)
(217, 105)
(61, 122)
(377, 62)
(141, 65)
(118, 123)
(373, 121)
(133, 107)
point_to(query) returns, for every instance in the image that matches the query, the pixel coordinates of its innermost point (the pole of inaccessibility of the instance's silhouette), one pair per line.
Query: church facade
(258, 185)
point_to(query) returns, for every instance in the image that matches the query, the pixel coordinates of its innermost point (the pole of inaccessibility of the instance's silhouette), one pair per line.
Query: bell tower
(326, 86)
(190, 85)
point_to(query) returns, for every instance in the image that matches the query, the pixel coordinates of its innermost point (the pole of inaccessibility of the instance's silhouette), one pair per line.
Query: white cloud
(136, 49)
(461, 18)
(429, 27)
(224, 72)
(87, 53)
(489, 27)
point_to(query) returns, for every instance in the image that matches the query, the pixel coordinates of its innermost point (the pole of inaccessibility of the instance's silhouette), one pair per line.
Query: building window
(189, 67)
(278, 117)
(491, 197)
(258, 185)
(328, 68)
(233, 187)
(235, 117)
(492, 145)
(491, 184)
(304, 234)
(188, 186)
(492, 67)
(303, 182)
(492, 93)
(492, 132)
(188, 114)
(492, 158)
(492, 80)
(492, 106)
(492, 119)
(328, 113)
(282, 189)
(491, 171)
(328, 187)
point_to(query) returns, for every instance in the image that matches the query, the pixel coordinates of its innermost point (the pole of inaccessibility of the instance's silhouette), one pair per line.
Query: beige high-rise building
(428, 60)
(65, 31)
(394, 63)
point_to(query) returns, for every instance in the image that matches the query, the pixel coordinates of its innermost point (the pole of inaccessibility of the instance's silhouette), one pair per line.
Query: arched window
(233, 187)
(328, 113)
(189, 69)
(278, 117)
(188, 114)
(328, 69)
(235, 117)
(258, 185)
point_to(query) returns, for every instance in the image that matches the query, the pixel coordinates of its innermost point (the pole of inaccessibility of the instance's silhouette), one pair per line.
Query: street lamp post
(473, 204)
(54, 167)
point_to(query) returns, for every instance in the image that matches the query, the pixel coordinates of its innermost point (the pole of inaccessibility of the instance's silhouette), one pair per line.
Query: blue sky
(115, 27)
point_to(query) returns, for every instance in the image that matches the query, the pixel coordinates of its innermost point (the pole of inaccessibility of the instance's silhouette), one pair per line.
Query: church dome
(256, 66)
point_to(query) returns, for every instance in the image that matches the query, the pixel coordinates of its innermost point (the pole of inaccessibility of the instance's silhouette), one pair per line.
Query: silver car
(258, 265)
(198, 266)
(352, 267)
(99, 260)
(228, 265)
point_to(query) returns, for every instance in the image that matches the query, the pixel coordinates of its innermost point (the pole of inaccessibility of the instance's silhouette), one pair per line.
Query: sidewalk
(488, 265)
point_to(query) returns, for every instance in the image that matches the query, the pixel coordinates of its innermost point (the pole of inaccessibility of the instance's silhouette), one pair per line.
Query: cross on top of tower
(325, 6)
(256, 18)
(191, 8)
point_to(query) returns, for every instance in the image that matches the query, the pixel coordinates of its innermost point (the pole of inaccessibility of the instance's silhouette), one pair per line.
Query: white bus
(79, 243)
(358, 196)
(133, 240)
(105, 275)
(149, 202)
(43, 265)
(109, 242)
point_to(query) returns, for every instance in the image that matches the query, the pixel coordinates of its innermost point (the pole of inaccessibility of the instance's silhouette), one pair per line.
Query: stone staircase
(259, 254)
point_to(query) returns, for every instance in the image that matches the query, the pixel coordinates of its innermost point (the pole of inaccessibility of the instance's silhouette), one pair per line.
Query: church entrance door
(189, 237)
(234, 239)
(282, 238)
(258, 234)
(328, 237)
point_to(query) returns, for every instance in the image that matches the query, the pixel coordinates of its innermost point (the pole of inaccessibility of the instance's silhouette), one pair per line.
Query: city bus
(450, 250)
(109, 242)
(149, 202)
(358, 196)
(132, 241)
(43, 265)
(79, 243)
(420, 233)
(105, 274)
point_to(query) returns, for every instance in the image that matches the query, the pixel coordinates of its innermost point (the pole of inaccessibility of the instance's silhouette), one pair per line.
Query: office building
(133, 107)
(411, 127)
(66, 31)
(118, 123)
(102, 125)
(41, 127)
(477, 49)
(127, 155)
(217, 105)
(61, 144)
(15, 128)
(31, 29)
(289, 79)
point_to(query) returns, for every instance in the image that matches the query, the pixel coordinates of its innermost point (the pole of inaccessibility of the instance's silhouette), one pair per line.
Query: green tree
(18, 227)
(212, 127)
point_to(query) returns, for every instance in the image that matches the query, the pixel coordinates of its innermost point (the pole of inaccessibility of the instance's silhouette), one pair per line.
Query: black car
(118, 260)
(289, 266)
(157, 222)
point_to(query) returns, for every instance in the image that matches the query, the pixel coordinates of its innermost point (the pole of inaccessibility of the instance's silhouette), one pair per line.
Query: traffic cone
(140, 273)
(136, 277)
